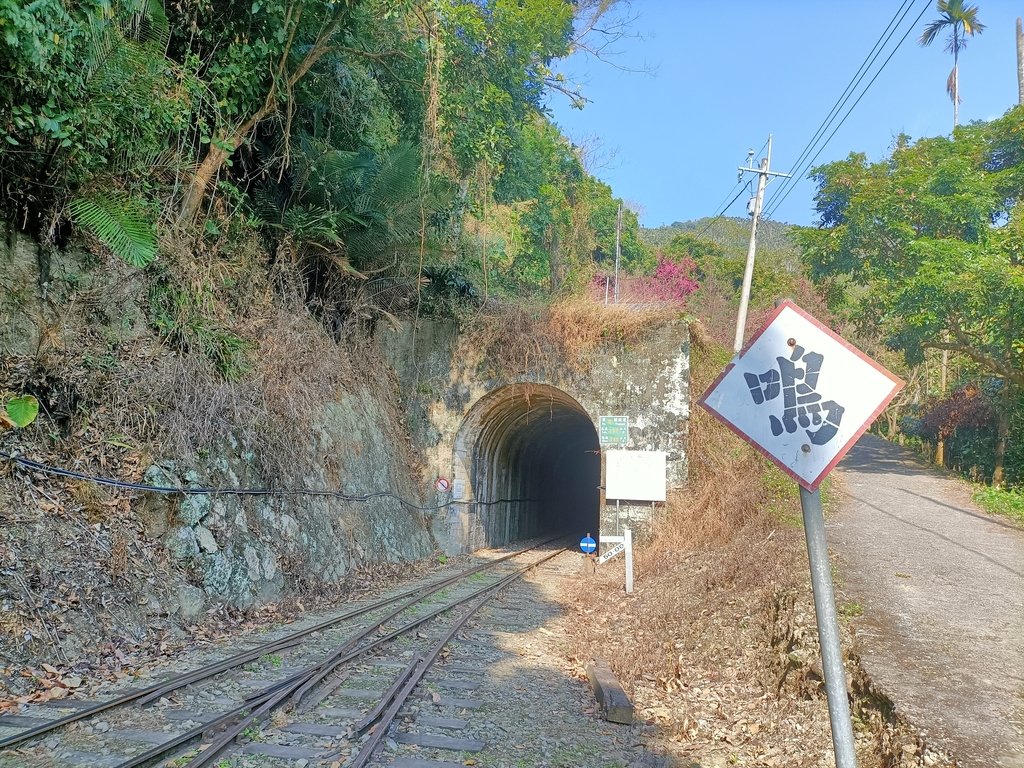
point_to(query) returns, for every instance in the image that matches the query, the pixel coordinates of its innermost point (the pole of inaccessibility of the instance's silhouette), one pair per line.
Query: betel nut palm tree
(961, 21)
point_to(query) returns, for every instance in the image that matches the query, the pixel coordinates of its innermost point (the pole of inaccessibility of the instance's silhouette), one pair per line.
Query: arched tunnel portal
(528, 455)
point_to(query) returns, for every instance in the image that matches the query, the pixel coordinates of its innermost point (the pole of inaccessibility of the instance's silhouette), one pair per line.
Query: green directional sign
(614, 430)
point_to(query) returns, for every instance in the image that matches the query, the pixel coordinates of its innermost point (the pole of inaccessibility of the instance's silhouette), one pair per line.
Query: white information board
(801, 394)
(635, 475)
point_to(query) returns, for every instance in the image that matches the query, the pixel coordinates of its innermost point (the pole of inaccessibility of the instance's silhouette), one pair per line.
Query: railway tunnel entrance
(528, 457)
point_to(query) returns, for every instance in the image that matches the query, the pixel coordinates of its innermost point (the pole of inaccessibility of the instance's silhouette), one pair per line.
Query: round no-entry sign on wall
(587, 544)
(442, 484)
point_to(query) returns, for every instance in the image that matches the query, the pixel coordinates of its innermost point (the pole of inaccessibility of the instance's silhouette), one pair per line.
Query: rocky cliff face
(248, 550)
(82, 564)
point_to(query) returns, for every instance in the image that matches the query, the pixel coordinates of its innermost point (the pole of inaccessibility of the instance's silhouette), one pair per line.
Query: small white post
(629, 560)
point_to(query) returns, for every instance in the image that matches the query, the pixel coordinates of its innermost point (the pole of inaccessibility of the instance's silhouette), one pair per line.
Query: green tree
(493, 76)
(635, 256)
(86, 110)
(358, 135)
(961, 21)
(254, 56)
(931, 241)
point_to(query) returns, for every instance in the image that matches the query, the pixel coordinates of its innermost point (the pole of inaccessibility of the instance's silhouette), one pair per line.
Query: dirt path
(942, 589)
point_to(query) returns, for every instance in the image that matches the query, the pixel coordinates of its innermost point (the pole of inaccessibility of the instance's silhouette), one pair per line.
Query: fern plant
(120, 222)
(93, 101)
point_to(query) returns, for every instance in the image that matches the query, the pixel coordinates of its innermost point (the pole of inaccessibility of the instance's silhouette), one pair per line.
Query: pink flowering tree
(672, 282)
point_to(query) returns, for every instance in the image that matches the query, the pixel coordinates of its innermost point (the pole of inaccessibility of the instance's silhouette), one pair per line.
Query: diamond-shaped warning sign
(801, 394)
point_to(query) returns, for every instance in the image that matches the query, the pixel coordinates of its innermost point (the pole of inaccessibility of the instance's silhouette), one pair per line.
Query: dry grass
(731, 487)
(719, 536)
(516, 339)
(296, 369)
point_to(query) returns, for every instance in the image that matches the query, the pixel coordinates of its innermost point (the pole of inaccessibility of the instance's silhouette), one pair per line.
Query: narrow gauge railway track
(318, 656)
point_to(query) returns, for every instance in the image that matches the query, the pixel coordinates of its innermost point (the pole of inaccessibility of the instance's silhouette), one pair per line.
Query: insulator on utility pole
(763, 173)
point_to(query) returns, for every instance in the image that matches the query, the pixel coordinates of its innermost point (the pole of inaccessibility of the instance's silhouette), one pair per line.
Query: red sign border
(813, 485)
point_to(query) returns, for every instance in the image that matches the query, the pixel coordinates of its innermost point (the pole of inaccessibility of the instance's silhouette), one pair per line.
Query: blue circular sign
(587, 544)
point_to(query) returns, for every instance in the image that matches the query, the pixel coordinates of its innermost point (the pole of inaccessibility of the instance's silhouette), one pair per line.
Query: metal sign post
(828, 629)
(802, 395)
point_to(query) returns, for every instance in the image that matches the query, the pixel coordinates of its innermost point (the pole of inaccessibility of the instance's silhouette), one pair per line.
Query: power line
(721, 213)
(782, 192)
(859, 75)
(38, 466)
(739, 183)
(809, 163)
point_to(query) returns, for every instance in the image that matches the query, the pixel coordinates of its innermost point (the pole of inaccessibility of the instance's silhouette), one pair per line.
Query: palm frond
(268, 204)
(335, 177)
(311, 224)
(395, 179)
(931, 31)
(120, 222)
(153, 24)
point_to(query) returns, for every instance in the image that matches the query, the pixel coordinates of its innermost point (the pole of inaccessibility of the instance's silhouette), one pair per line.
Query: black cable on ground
(113, 483)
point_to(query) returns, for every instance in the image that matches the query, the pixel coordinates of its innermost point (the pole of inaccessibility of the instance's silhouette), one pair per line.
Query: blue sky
(724, 75)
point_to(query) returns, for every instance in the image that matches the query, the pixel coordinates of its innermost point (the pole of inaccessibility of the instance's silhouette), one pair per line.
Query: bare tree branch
(963, 344)
(600, 41)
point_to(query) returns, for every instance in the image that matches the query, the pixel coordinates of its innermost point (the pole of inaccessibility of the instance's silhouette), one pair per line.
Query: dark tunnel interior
(537, 446)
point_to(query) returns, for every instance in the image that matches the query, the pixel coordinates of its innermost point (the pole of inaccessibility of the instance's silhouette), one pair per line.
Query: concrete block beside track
(615, 704)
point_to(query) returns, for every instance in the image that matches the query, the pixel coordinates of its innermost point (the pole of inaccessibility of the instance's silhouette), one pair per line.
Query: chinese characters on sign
(800, 394)
(803, 406)
(614, 430)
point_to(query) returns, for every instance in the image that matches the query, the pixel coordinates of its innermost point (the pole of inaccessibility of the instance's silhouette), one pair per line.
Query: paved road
(942, 585)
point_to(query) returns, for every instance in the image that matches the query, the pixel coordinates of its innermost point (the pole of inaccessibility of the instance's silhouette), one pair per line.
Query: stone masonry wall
(442, 379)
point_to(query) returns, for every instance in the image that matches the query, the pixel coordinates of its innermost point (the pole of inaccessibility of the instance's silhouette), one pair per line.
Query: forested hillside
(396, 138)
(716, 251)
(728, 232)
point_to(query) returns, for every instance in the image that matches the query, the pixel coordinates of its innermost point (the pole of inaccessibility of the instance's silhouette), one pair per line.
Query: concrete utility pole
(618, 249)
(1020, 62)
(748, 273)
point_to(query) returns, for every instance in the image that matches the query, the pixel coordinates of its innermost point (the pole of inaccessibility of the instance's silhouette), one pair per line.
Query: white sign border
(813, 485)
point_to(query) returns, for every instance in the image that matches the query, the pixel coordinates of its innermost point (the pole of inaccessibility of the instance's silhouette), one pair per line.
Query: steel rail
(374, 714)
(286, 689)
(256, 706)
(418, 669)
(154, 691)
